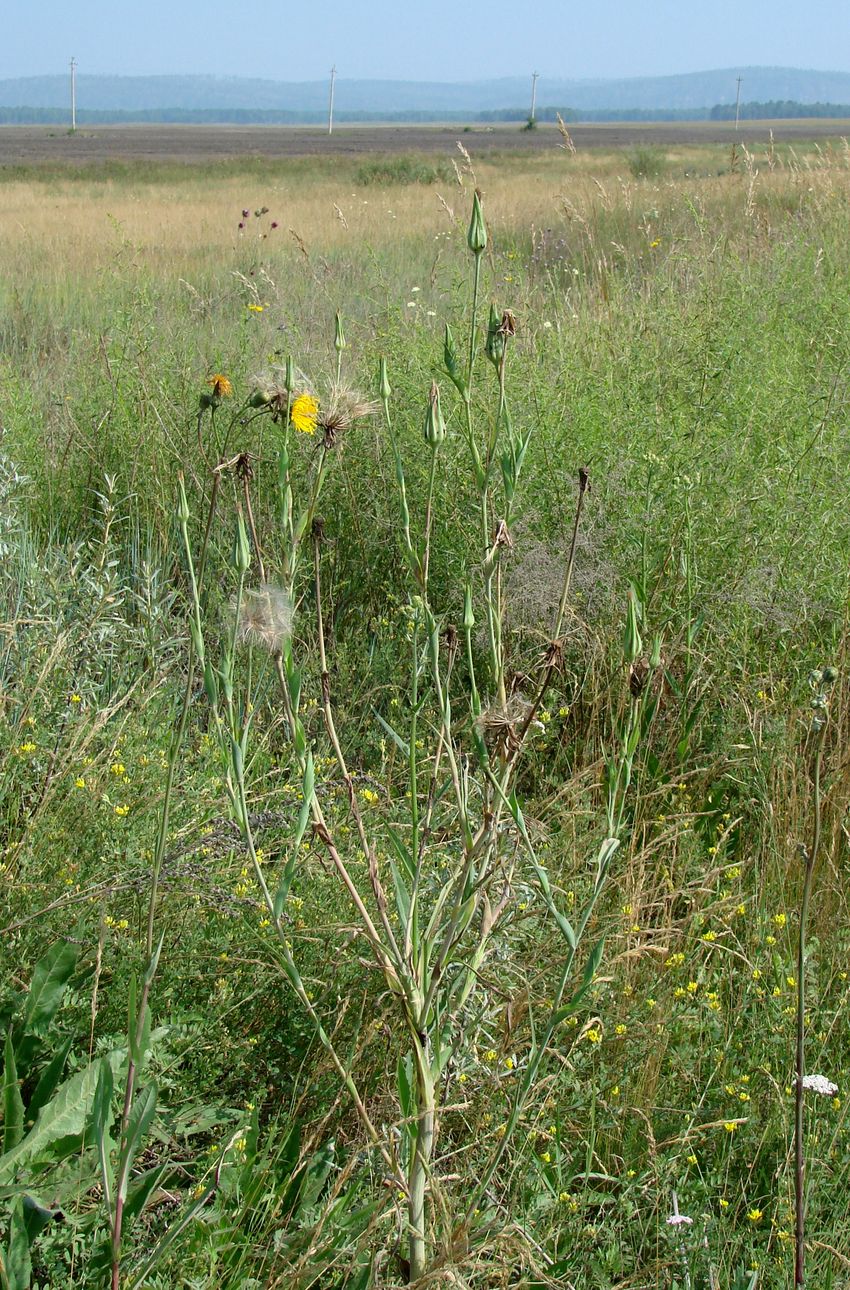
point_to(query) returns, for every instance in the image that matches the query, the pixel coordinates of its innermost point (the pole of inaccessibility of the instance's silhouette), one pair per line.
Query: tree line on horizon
(779, 109)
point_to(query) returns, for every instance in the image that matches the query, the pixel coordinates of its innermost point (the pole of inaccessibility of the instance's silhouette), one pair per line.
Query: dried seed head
(265, 618)
(344, 406)
(501, 725)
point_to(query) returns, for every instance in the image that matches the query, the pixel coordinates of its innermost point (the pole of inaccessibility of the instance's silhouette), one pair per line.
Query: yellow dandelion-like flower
(221, 387)
(303, 413)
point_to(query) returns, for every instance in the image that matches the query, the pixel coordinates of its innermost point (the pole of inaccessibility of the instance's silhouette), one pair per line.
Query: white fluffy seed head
(265, 617)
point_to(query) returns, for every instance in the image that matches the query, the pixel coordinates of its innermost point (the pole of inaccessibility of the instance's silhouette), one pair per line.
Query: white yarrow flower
(820, 1084)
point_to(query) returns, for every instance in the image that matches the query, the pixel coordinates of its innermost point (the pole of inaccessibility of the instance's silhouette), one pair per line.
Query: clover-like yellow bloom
(303, 413)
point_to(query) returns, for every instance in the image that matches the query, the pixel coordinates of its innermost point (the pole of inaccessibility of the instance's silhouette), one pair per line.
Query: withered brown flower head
(507, 327)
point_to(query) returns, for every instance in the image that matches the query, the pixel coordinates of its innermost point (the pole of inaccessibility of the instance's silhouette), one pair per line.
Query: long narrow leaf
(13, 1103)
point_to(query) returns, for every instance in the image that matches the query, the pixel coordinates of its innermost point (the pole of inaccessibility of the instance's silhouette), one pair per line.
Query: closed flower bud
(339, 334)
(468, 615)
(241, 547)
(495, 338)
(289, 375)
(206, 401)
(476, 236)
(182, 501)
(632, 640)
(452, 362)
(260, 398)
(435, 426)
(384, 387)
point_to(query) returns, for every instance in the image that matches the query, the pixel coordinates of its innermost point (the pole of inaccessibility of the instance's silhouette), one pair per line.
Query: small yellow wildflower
(75, 698)
(490, 1055)
(80, 781)
(731, 1126)
(256, 309)
(122, 810)
(369, 795)
(303, 413)
(780, 919)
(755, 1215)
(221, 387)
(709, 937)
(593, 1036)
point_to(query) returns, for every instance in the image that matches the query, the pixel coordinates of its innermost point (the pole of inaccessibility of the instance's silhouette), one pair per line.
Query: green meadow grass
(685, 340)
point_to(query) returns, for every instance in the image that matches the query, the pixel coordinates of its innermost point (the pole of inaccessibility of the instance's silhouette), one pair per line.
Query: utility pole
(534, 79)
(738, 104)
(331, 102)
(73, 94)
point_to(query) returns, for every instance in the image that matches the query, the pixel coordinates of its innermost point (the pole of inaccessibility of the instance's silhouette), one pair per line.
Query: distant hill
(692, 94)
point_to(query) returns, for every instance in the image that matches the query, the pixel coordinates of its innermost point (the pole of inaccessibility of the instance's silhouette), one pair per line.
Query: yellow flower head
(303, 413)
(221, 387)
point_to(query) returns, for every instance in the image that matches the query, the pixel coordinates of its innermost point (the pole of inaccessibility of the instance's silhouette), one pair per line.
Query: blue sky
(422, 39)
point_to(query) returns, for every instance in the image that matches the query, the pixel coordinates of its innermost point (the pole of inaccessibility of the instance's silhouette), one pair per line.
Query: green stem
(799, 1125)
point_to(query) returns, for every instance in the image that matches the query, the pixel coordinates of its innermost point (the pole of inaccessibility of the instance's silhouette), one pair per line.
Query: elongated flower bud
(339, 334)
(435, 426)
(384, 387)
(495, 338)
(241, 547)
(632, 640)
(289, 375)
(468, 614)
(452, 362)
(476, 236)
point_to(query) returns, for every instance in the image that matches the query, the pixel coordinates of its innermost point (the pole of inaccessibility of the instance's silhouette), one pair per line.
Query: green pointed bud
(241, 547)
(339, 334)
(452, 362)
(476, 237)
(384, 387)
(632, 641)
(260, 399)
(182, 501)
(289, 375)
(435, 426)
(468, 615)
(495, 338)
